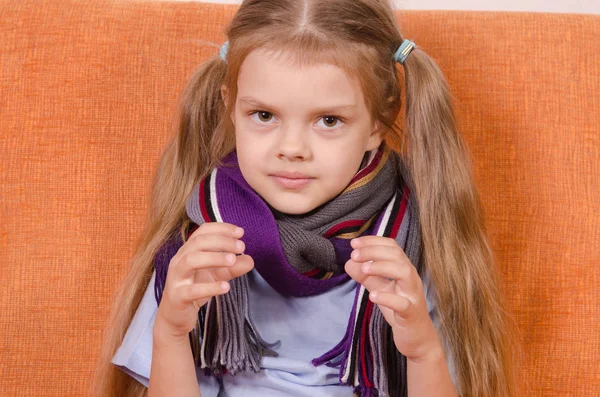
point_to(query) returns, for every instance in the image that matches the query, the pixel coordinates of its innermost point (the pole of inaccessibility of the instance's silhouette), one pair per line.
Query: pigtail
(199, 143)
(471, 318)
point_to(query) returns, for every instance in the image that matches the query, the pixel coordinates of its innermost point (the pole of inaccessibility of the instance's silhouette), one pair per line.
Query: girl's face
(301, 132)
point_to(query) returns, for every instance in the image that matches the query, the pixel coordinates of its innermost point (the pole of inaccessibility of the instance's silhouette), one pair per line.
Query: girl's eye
(263, 117)
(330, 122)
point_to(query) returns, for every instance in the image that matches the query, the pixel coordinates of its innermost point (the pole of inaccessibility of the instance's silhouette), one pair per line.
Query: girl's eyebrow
(324, 110)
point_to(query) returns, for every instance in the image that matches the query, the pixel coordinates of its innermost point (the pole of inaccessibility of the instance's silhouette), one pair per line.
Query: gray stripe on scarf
(302, 236)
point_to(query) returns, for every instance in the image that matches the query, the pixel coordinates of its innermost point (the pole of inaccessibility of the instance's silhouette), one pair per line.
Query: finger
(372, 240)
(371, 283)
(192, 261)
(243, 264)
(197, 291)
(399, 304)
(218, 243)
(221, 228)
(398, 271)
(210, 243)
(378, 253)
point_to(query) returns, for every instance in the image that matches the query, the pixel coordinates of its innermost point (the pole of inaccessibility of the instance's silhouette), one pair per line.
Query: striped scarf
(301, 255)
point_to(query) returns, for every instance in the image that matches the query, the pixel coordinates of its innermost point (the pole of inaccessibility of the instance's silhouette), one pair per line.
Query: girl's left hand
(382, 267)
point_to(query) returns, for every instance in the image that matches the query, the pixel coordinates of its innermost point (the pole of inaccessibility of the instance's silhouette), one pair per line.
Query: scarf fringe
(232, 343)
(361, 351)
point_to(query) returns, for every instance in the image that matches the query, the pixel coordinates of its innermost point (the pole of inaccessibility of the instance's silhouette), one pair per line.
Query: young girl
(300, 242)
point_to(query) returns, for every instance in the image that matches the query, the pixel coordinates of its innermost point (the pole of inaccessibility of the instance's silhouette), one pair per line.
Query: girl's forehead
(277, 73)
(297, 57)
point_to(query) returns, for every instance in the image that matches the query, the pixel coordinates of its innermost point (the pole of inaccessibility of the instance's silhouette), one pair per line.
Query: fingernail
(240, 245)
(374, 295)
(230, 258)
(355, 254)
(238, 231)
(366, 266)
(224, 285)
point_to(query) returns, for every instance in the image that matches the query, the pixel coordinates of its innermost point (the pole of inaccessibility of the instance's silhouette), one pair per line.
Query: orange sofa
(87, 94)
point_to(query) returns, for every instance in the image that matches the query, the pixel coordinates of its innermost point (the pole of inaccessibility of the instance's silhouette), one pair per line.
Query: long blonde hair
(360, 36)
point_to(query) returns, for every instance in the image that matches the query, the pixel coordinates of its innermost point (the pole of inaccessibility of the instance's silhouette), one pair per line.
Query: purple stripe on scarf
(260, 229)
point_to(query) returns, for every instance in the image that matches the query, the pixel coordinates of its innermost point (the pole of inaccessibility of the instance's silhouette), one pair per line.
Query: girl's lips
(291, 183)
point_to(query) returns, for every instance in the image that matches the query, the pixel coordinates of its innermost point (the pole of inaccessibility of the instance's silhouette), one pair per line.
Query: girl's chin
(290, 209)
(291, 205)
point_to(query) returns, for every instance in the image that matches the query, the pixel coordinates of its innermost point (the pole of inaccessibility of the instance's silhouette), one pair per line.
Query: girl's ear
(225, 97)
(376, 136)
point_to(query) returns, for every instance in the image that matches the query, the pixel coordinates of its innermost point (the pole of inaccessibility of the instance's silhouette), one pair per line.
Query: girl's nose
(293, 144)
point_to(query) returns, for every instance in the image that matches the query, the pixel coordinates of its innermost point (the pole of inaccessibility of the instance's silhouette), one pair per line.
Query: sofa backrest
(87, 95)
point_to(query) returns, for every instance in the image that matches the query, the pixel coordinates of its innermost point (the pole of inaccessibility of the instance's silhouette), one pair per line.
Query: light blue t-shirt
(306, 326)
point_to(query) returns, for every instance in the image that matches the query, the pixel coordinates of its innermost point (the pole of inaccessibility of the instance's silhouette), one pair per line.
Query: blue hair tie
(404, 51)
(223, 51)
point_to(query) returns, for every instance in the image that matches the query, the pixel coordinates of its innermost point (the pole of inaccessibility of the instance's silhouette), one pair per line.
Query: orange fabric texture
(87, 93)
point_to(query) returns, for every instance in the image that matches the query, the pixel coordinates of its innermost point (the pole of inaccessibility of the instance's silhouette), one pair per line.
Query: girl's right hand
(200, 270)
